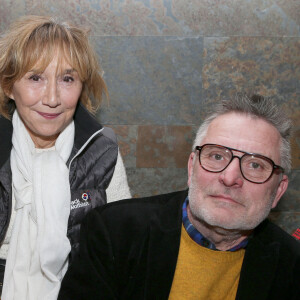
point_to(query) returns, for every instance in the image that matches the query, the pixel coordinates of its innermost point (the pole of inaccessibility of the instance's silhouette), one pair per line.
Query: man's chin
(231, 224)
(227, 221)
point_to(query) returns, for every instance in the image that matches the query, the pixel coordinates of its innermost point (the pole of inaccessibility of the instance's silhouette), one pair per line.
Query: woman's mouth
(48, 116)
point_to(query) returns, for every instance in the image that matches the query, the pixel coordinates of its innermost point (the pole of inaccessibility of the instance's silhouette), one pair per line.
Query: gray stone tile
(164, 146)
(10, 10)
(269, 66)
(175, 17)
(295, 141)
(236, 18)
(153, 181)
(151, 80)
(127, 139)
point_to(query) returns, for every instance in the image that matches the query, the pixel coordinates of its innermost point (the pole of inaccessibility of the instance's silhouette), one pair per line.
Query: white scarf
(38, 253)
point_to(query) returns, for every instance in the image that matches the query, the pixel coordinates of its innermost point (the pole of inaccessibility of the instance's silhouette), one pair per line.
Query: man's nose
(232, 176)
(51, 94)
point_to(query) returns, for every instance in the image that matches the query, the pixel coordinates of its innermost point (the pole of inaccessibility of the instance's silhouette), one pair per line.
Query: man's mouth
(225, 198)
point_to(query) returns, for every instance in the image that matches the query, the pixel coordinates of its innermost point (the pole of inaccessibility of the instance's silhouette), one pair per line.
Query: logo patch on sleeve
(85, 200)
(85, 196)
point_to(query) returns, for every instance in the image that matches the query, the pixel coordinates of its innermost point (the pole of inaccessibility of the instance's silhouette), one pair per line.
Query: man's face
(226, 199)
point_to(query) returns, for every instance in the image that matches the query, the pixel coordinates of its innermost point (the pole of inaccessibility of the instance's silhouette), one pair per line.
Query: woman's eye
(35, 77)
(68, 79)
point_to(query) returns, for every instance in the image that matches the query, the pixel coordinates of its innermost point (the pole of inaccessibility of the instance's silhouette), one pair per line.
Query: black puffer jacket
(91, 164)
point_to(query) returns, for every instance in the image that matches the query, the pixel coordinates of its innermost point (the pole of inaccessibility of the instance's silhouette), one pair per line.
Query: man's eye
(255, 165)
(217, 156)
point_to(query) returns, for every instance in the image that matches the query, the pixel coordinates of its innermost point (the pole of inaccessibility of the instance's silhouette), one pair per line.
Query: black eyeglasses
(254, 167)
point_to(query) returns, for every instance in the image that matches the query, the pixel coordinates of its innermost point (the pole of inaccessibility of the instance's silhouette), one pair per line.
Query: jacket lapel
(85, 125)
(258, 269)
(164, 240)
(6, 130)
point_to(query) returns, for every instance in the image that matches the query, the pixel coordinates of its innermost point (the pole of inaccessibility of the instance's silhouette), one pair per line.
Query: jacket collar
(6, 130)
(85, 126)
(260, 264)
(165, 230)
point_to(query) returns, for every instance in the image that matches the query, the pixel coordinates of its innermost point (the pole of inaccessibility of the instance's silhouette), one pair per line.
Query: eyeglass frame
(274, 166)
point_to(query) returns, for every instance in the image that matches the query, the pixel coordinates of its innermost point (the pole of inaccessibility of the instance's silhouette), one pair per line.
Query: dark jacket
(91, 164)
(129, 249)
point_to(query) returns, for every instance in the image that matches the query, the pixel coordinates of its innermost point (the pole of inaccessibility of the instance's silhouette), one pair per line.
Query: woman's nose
(51, 94)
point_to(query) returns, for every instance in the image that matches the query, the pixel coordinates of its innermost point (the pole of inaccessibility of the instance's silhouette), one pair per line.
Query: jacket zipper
(84, 145)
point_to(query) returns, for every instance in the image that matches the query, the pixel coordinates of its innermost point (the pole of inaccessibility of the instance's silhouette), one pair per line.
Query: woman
(56, 161)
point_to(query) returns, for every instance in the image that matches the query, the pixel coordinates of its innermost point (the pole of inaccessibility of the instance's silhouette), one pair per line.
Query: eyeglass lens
(254, 168)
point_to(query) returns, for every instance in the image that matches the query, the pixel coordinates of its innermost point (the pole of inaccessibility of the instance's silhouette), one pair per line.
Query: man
(210, 242)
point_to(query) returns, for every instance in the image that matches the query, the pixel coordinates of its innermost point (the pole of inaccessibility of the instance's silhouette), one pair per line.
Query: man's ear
(190, 167)
(283, 184)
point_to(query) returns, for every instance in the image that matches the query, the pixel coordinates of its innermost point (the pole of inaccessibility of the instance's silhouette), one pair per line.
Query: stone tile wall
(167, 62)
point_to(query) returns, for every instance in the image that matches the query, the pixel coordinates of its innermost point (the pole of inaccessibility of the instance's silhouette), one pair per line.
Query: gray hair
(256, 106)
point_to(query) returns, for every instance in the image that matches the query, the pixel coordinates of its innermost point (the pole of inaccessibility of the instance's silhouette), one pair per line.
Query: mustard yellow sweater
(205, 274)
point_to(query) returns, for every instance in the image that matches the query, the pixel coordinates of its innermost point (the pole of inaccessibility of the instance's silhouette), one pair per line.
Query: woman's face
(46, 102)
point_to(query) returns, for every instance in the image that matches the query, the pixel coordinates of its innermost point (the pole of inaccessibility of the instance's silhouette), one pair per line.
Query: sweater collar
(197, 236)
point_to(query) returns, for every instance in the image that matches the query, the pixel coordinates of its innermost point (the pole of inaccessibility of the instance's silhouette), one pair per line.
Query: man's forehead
(244, 132)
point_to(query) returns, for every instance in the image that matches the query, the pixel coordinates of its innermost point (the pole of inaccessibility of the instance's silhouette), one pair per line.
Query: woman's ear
(10, 95)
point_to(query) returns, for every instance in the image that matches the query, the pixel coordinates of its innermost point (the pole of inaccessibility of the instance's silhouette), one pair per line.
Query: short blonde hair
(36, 39)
